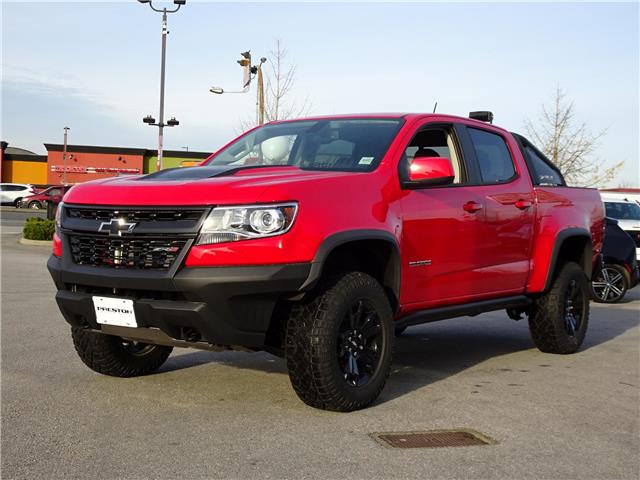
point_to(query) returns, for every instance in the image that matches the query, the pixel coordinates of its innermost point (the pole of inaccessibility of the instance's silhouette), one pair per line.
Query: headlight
(59, 215)
(230, 224)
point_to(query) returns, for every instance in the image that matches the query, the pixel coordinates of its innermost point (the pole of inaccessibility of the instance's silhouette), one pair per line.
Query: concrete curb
(35, 243)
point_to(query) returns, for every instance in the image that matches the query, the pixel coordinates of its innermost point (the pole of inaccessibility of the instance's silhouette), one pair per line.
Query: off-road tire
(312, 342)
(106, 354)
(547, 316)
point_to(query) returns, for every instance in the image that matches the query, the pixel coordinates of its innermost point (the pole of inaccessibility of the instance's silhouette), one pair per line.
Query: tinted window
(493, 155)
(542, 172)
(622, 210)
(352, 145)
(13, 188)
(54, 191)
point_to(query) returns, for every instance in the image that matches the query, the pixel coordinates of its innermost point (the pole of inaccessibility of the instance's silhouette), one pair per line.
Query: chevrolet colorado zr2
(321, 239)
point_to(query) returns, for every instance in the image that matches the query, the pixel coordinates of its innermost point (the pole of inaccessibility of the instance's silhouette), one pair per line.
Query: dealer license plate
(114, 311)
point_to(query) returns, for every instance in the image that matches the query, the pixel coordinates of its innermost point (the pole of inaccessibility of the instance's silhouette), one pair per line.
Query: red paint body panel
(482, 241)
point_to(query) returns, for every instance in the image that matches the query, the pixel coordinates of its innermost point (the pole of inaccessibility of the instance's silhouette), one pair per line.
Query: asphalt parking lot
(234, 415)
(12, 219)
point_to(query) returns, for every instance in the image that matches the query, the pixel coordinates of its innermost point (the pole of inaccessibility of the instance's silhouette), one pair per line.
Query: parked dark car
(619, 271)
(50, 195)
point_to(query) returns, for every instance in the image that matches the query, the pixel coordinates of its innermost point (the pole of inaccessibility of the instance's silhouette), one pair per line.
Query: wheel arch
(573, 245)
(375, 252)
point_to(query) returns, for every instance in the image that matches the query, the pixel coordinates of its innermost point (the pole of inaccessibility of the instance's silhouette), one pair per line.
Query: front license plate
(114, 311)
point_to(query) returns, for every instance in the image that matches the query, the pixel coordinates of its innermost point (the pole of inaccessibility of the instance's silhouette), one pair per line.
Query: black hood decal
(190, 173)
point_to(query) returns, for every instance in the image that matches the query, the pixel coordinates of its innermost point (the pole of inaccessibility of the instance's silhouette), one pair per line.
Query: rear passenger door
(509, 209)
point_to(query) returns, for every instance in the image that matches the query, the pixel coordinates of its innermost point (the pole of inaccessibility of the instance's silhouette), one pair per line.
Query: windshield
(346, 145)
(623, 211)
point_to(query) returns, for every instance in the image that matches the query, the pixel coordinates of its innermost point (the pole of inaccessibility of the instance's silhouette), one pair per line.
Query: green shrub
(37, 228)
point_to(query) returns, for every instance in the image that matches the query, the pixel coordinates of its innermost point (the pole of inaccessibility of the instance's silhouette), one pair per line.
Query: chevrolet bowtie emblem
(116, 227)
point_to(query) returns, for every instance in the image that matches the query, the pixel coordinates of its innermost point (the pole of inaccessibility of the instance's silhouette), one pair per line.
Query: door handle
(523, 204)
(472, 207)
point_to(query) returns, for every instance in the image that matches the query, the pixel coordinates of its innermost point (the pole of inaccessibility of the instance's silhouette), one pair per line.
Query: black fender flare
(587, 255)
(341, 238)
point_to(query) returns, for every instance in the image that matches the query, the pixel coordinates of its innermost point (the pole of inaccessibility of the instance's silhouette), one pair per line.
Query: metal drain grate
(433, 439)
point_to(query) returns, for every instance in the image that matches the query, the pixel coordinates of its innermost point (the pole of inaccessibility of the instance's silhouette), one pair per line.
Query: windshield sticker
(366, 161)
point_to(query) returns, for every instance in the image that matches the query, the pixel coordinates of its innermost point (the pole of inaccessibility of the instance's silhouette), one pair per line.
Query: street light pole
(64, 157)
(260, 102)
(165, 31)
(163, 60)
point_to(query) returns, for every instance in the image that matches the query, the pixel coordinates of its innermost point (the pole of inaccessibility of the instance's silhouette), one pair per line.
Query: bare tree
(568, 145)
(280, 82)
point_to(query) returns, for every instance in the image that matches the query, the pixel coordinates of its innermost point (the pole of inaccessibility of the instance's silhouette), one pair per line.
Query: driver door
(443, 227)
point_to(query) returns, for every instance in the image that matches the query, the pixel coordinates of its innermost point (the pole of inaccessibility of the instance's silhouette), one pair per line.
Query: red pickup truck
(321, 239)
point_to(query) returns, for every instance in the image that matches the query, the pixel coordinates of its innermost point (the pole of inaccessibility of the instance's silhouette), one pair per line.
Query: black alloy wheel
(359, 343)
(136, 348)
(573, 308)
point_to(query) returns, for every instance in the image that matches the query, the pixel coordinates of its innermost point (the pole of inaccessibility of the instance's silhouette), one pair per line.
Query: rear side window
(493, 156)
(542, 172)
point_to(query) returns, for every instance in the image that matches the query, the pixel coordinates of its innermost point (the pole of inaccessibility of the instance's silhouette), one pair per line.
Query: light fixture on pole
(249, 73)
(149, 120)
(64, 157)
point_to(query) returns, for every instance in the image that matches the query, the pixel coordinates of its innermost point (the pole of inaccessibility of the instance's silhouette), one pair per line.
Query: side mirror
(429, 171)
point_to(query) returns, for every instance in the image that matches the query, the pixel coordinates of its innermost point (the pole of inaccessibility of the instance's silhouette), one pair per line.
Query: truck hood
(629, 225)
(206, 185)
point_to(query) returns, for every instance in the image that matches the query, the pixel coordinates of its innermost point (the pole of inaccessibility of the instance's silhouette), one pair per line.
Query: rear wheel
(558, 320)
(116, 356)
(339, 344)
(610, 285)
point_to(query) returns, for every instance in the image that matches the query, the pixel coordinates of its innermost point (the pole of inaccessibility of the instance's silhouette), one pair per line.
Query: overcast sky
(95, 66)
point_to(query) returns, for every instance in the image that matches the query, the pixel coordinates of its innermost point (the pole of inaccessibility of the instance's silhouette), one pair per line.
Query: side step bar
(468, 309)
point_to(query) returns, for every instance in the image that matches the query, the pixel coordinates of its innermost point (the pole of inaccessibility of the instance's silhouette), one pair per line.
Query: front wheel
(610, 285)
(558, 320)
(116, 356)
(16, 202)
(34, 205)
(339, 344)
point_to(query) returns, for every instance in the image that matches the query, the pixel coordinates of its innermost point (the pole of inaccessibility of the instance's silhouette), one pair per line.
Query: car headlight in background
(230, 224)
(59, 215)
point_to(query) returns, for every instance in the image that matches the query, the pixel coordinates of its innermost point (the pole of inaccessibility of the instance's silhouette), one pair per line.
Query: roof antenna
(434, 107)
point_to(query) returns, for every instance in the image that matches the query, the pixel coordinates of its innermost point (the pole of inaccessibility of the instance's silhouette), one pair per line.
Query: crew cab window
(542, 172)
(345, 145)
(432, 142)
(494, 159)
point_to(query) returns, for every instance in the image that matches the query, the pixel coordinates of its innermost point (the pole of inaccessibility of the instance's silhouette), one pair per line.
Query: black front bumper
(225, 306)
